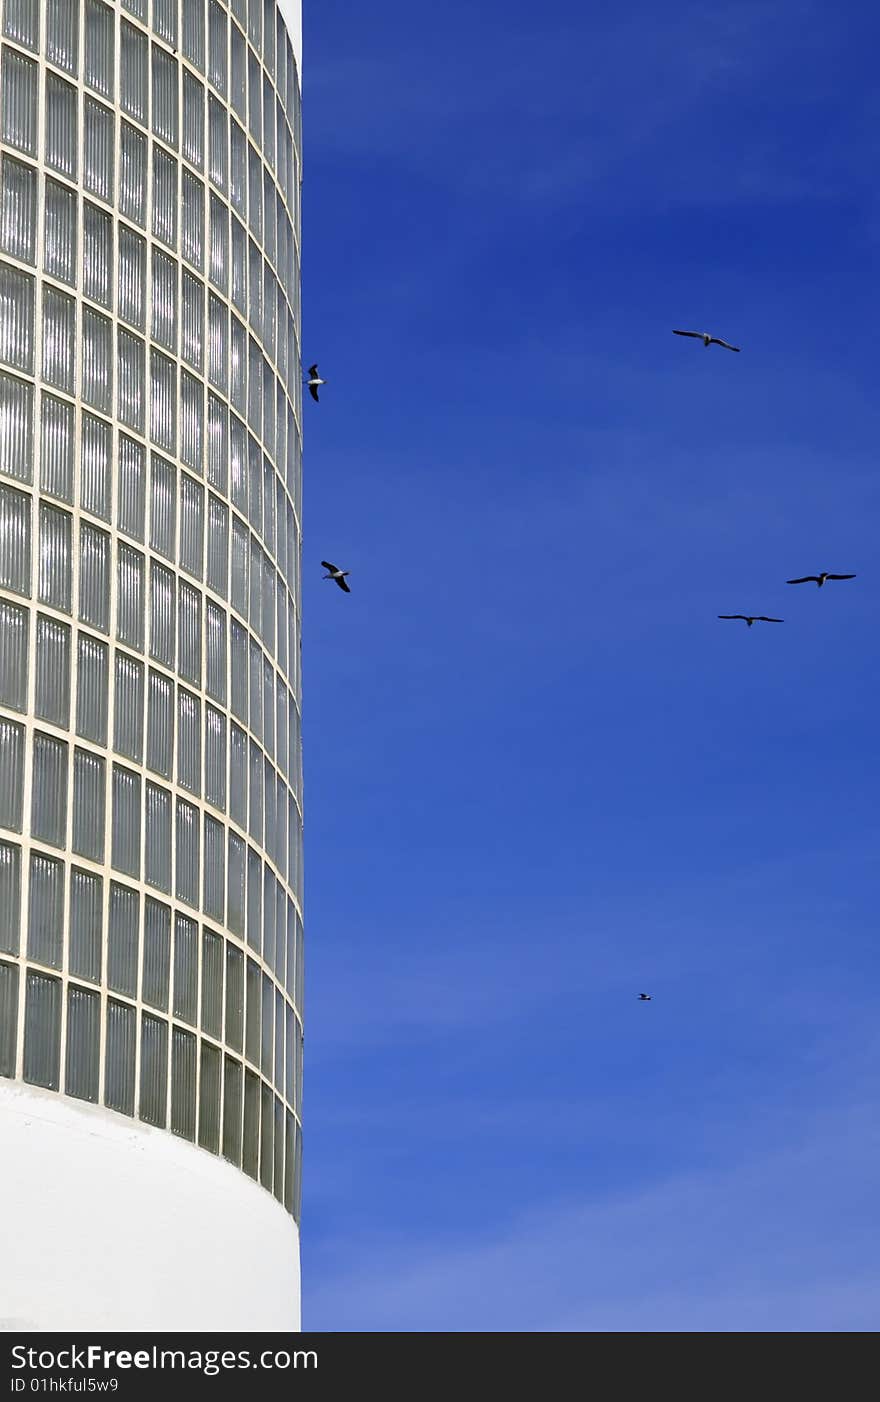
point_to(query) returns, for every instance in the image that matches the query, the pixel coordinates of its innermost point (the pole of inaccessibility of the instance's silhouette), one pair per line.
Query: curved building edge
(291, 13)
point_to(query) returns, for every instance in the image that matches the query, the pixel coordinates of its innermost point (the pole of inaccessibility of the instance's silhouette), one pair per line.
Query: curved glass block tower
(151, 948)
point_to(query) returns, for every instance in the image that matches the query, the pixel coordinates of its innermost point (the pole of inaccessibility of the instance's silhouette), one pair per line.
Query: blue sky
(540, 775)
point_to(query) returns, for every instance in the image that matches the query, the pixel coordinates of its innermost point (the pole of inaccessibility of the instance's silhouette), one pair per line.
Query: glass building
(151, 938)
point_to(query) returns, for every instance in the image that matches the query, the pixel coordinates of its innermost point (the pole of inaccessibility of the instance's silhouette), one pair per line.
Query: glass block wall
(151, 948)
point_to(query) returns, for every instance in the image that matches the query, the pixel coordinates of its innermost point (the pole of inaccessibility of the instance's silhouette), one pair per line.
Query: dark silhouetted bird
(819, 578)
(313, 380)
(337, 574)
(707, 339)
(754, 618)
(644, 997)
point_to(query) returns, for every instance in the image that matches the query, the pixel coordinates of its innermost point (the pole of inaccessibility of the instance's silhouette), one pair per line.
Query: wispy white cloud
(775, 1241)
(710, 931)
(540, 774)
(544, 110)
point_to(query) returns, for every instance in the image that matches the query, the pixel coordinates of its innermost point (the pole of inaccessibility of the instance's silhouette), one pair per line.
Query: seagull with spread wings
(752, 618)
(819, 578)
(313, 381)
(644, 997)
(707, 339)
(337, 574)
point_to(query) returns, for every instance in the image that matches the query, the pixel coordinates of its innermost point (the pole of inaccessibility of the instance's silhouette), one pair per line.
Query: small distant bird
(337, 574)
(644, 997)
(707, 339)
(313, 380)
(754, 618)
(819, 578)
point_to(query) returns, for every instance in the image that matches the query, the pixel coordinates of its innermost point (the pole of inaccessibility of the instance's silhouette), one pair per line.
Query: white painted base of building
(107, 1224)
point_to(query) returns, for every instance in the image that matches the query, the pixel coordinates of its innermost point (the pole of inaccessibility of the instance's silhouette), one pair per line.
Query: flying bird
(337, 574)
(644, 997)
(313, 380)
(707, 339)
(753, 618)
(819, 578)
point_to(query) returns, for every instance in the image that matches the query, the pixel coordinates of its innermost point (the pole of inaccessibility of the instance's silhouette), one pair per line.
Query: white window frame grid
(291, 397)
